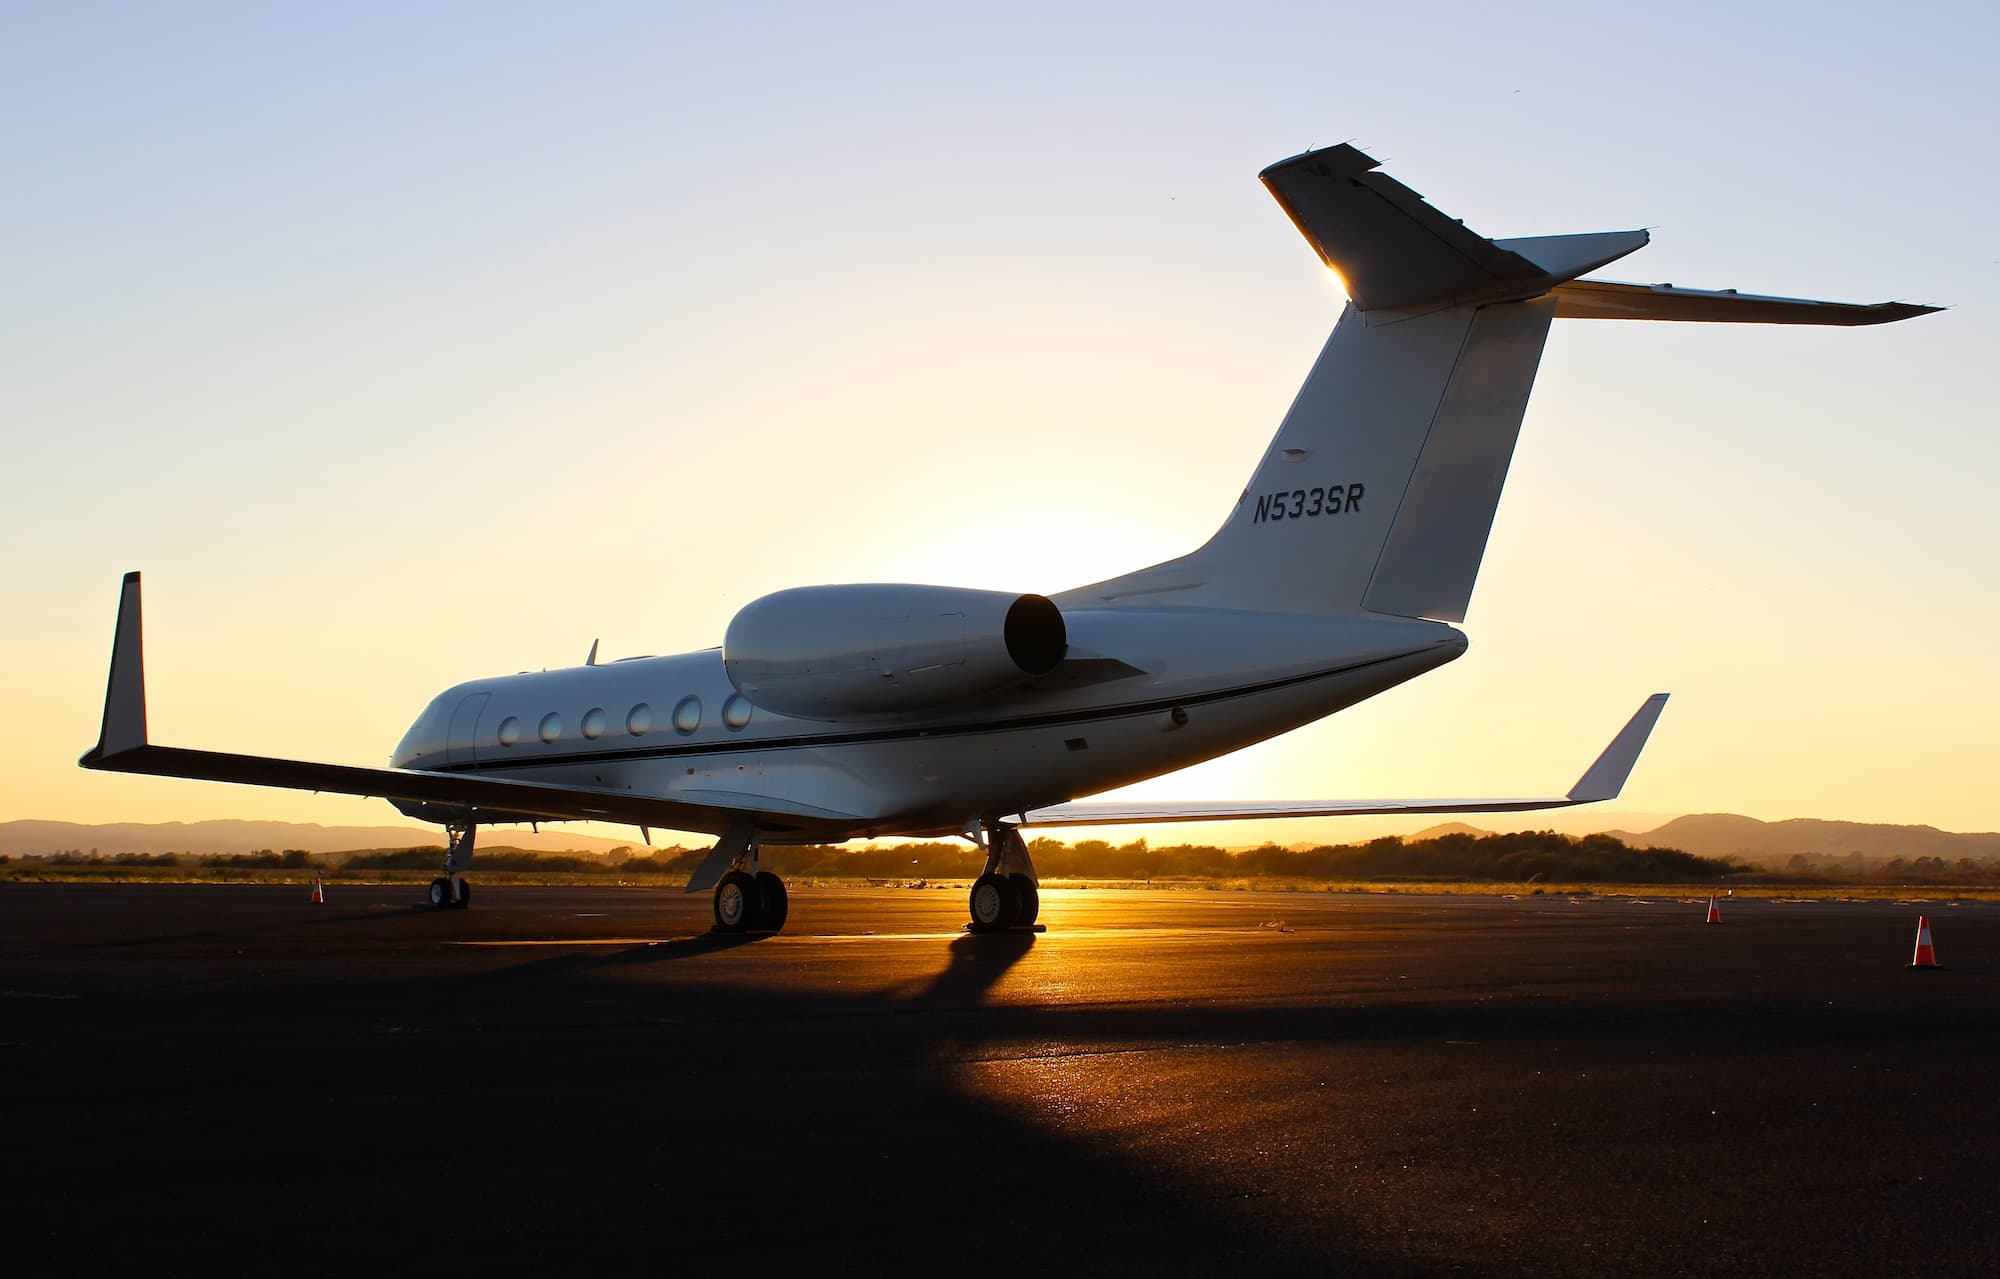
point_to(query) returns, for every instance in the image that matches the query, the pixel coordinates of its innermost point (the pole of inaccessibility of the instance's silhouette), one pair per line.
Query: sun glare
(1041, 556)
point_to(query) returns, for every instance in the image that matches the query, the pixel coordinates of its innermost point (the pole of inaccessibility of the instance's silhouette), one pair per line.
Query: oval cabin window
(640, 721)
(736, 712)
(510, 731)
(687, 715)
(593, 723)
(551, 727)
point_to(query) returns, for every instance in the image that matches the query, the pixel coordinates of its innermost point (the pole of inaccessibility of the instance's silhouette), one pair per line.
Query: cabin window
(736, 712)
(510, 731)
(640, 721)
(687, 715)
(551, 727)
(593, 723)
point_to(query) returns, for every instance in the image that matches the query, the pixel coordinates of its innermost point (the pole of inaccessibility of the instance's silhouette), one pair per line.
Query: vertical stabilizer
(1380, 487)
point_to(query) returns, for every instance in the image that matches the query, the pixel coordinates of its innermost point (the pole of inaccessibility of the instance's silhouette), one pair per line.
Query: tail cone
(1926, 956)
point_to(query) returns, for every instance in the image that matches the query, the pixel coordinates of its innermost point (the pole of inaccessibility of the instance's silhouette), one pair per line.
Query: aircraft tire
(773, 904)
(735, 903)
(440, 894)
(1027, 900)
(464, 897)
(993, 903)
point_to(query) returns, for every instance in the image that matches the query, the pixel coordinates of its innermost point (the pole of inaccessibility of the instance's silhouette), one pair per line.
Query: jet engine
(830, 652)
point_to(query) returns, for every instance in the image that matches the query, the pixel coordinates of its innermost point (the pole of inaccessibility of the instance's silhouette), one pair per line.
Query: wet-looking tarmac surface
(229, 1079)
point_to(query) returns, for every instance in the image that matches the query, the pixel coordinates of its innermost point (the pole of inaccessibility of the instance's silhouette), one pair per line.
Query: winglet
(124, 727)
(1607, 776)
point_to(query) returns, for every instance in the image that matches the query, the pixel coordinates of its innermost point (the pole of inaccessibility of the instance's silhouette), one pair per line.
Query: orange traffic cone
(319, 895)
(1926, 956)
(1714, 915)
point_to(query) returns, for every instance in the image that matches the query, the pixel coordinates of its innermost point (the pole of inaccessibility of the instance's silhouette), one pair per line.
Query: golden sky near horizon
(468, 346)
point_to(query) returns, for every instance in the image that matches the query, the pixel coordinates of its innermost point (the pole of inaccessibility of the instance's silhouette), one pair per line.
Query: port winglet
(124, 727)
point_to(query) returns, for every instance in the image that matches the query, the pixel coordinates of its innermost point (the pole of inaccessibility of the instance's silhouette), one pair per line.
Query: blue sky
(403, 347)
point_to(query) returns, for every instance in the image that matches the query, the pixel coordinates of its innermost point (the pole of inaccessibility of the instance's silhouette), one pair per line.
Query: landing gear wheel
(441, 893)
(735, 903)
(994, 903)
(772, 903)
(1028, 900)
(464, 896)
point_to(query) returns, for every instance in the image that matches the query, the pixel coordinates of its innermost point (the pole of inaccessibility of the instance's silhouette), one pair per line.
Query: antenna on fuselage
(592, 659)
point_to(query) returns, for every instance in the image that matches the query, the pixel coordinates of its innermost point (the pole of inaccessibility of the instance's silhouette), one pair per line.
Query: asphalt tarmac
(204, 1080)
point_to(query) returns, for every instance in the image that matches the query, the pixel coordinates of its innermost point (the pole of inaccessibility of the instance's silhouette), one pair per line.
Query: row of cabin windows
(638, 720)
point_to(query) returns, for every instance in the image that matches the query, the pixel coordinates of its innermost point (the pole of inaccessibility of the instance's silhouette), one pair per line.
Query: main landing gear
(747, 903)
(449, 891)
(1005, 895)
(747, 900)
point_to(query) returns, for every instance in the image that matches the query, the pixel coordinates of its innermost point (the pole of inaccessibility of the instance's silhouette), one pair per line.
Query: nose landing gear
(450, 891)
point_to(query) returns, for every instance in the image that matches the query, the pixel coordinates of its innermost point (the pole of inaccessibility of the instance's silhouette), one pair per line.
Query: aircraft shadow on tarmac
(867, 1129)
(878, 1128)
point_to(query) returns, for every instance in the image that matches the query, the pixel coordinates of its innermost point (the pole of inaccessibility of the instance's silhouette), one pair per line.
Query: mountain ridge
(1733, 835)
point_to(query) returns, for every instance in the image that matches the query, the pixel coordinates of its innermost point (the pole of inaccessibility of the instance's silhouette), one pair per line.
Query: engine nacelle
(828, 652)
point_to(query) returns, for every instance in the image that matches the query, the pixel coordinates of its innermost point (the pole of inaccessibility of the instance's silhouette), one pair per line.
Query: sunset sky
(400, 345)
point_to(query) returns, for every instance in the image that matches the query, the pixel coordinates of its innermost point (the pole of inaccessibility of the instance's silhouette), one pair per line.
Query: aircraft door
(462, 745)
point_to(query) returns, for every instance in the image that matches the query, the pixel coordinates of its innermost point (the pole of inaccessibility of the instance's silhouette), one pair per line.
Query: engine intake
(829, 652)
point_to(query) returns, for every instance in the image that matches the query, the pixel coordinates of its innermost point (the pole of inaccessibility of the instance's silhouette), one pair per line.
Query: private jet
(841, 712)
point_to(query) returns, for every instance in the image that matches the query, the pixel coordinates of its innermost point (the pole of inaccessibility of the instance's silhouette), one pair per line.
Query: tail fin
(1379, 491)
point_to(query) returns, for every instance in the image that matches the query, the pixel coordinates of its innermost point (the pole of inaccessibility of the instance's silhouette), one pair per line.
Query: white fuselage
(675, 727)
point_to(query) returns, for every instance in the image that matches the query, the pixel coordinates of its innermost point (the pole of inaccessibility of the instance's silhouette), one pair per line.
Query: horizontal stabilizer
(1603, 780)
(1610, 300)
(1395, 252)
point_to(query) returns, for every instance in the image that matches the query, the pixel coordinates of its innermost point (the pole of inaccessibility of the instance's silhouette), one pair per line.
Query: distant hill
(1773, 843)
(1442, 829)
(22, 838)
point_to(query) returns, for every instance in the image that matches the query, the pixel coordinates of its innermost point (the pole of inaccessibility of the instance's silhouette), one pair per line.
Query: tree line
(1522, 857)
(1511, 858)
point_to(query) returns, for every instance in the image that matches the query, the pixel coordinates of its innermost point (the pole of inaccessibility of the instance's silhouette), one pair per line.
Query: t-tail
(1379, 490)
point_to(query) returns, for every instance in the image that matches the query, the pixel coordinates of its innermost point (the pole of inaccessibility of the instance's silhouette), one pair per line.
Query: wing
(1603, 780)
(122, 747)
